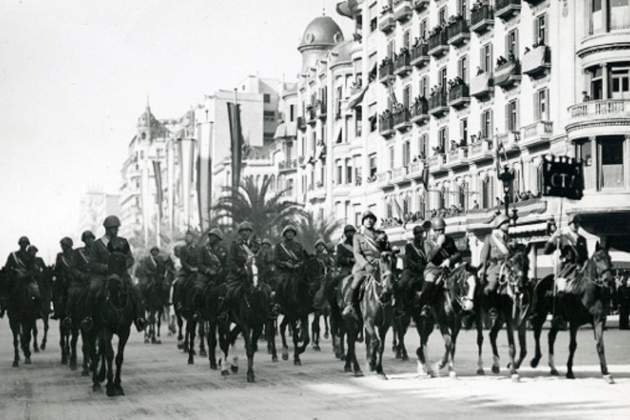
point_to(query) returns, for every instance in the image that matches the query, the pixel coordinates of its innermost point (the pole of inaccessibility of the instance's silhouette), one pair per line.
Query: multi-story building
(96, 205)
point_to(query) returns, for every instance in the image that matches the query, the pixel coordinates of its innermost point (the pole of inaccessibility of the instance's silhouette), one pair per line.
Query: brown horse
(584, 302)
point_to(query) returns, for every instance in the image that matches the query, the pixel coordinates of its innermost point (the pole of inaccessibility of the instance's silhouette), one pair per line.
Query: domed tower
(145, 123)
(321, 35)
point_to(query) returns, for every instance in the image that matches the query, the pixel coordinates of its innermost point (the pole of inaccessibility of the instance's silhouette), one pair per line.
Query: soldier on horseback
(64, 270)
(106, 246)
(321, 252)
(573, 251)
(265, 261)
(495, 252)
(188, 255)
(210, 262)
(19, 265)
(442, 255)
(289, 256)
(345, 252)
(82, 274)
(414, 264)
(368, 244)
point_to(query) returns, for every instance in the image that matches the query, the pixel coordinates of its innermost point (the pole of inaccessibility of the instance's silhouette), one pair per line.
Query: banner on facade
(159, 193)
(562, 177)
(236, 142)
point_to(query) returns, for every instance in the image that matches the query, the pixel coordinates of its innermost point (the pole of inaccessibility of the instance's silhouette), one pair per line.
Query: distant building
(96, 205)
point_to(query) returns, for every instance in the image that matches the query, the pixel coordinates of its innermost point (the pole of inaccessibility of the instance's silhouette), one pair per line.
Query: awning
(529, 228)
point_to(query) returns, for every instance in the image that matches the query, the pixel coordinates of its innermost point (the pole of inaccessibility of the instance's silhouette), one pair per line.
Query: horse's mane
(589, 270)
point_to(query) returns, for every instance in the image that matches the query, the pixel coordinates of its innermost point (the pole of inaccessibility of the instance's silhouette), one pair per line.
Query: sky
(75, 75)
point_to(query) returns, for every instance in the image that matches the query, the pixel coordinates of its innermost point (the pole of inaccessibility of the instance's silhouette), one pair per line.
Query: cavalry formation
(220, 293)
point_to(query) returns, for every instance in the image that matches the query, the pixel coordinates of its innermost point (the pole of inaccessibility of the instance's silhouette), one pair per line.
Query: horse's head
(116, 292)
(253, 271)
(602, 264)
(517, 269)
(387, 270)
(463, 284)
(312, 272)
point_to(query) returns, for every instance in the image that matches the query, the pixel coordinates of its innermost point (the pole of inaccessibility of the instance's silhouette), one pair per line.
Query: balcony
(386, 22)
(536, 133)
(437, 163)
(301, 123)
(437, 104)
(420, 111)
(384, 178)
(458, 32)
(420, 5)
(401, 118)
(438, 44)
(507, 9)
(459, 95)
(481, 86)
(402, 65)
(386, 71)
(510, 140)
(457, 157)
(399, 174)
(402, 10)
(537, 62)
(420, 55)
(508, 74)
(482, 149)
(386, 124)
(287, 165)
(611, 116)
(311, 114)
(481, 19)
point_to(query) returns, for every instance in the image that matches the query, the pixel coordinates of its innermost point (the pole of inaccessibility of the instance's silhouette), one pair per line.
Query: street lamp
(507, 178)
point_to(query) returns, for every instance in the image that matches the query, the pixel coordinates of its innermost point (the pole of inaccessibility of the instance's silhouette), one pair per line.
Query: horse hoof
(481, 372)
(554, 372)
(111, 391)
(64, 360)
(16, 364)
(405, 358)
(316, 347)
(43, 347)
(234, 369)
(326, 336)
(297, 362)
(191, 361)
(534, 363)
(96, 388)
(496, 369)
(285, 356)
(251, 378)
(452, 375)
(147, 340)
(609, 380)
(516, 378)
(570, 375)
(358, 374)
(27, 360)
(382, 376)
(342, 357)
(157, 342)
(274, 358)
(213, 366)
(73, 366)
(35, 350)
(85, 373)
(347, 369)
(203, 353)
(225, 373)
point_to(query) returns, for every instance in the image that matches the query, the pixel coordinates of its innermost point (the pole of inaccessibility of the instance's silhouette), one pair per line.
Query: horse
(250, 315)
(185, 312)
(514, 305)
(295, 298)
(77, 310)
(45, 291)
(22, 311)
(584, 302)
(156, 295)
(455, 301)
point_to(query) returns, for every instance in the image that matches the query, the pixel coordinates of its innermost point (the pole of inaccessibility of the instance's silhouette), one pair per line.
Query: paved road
(160, 385)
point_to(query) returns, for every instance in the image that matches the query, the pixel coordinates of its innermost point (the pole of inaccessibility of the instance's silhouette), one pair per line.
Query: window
(269, 116)
(463, 68)
(462, 8)
(406, 153)
(442, 78)
(423, 29)
(349, 171)
(619, 14)
(290, 186)
(338, 102)
(266, 98)
(511, 44)
(391, 157)
(463, 196)
(291, 113)
(540, 29)
(424, 86)
(442, 16)
(612, 162)
(486, 58)
(487, 193)
(421, 205)
(358, 122)
(511, 116)
(422, 146)
(339, 173)
(541, 108)
(391, 49)
(619, 78)
(373, 166)
(406, 39)
(486, 124)
(406, 96)
(442, 139)
(463, 131)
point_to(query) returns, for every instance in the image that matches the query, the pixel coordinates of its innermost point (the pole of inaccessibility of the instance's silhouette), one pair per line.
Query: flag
(204, 171)
(390, 92)
(358, 98)
(157, 174)
(236, 143)
(497, 156)
(425, 175)
(187, 167)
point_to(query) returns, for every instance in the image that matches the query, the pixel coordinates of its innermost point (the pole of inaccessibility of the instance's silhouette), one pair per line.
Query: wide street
(159, 384)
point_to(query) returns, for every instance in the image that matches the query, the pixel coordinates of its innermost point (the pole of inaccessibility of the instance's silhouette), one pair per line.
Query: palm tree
(311, 228)
(267, 211)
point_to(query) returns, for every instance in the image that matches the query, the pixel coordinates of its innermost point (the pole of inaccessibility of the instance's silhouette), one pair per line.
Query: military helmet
(288, 228)
(244, 226)
(320, 241)
(367, 214)
(418, 229)
(349, 228)
(500, 220)
(216, 232)
(266, 241)
(25, 240)
(87, 234)
(573, 218)
(438, 223)
(33, 248)
(66, 241)
(111, 221)
(154, 248)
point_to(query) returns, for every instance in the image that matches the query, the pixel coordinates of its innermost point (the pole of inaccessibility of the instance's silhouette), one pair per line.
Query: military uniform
(238, 255)
(211, 262)
(287, 252)
(573, 252)
(18, 266)
(345, 258)
(65, 273)
(414, 263)
(494, 253)
(79, 285)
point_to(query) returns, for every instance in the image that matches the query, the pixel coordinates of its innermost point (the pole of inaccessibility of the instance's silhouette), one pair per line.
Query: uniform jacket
(283, 253)
(101, 253)
(345, 255)
(188, 257)
(573, 249)
(82, 258)
(19, 261)
(437, 254)
(237, 258)
(494, 248)
(212, 260)
(367, 250)
(65, 266)
(415, 258)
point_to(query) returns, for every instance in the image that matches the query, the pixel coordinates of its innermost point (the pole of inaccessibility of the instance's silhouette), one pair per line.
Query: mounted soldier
(367, 246)
(442, 255)
(188, 272)
(345, 252)
(111, 245)
(211, 262)
(64, 272)
(495, 252)
(414, 263)
(265, 260)
(321, 252)
(289, 256)
(573, 251)
(82, 274)
(19, 265)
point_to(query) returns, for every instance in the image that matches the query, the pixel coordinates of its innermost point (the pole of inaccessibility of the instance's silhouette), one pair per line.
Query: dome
(322, 32)
(344, 53)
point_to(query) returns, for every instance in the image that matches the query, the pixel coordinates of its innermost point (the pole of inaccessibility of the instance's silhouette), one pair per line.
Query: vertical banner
(159, 192)
(170, 179)
(236, 142)
(204, 172)
(186, 160)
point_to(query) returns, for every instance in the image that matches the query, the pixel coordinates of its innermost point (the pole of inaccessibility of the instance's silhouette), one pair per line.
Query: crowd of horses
(384, 305)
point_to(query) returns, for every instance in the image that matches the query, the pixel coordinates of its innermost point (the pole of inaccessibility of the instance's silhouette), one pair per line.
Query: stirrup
(141, 324)
(426, 311)
(67, 322)
(493, 313)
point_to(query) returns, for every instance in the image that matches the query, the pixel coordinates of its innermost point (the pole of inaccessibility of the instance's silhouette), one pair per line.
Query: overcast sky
(75, 76)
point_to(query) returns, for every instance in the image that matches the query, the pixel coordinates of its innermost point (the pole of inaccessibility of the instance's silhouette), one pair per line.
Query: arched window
(421, 205)
(539, 179)
(463, 196)
(487, 193)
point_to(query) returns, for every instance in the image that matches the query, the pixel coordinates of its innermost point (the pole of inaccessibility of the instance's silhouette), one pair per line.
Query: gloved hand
(446, 263)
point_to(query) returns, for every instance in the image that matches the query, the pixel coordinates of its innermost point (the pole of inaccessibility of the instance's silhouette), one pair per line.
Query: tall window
(463, 196)
(349, 171)
(619, 13)
(358, 122)
(511, 44)
(391, 49)
(391, 157)
(541, 101)
(442, 139)
(290, 187)
(339, 173)
(406, 96)
(406, 153)
(423, 29)
(462, 8)
(406, 39)
(596, 17)
(511, 116)
(442, 78)
(486, 124)
(463, 68)
(486, 58)
(424, 86)
(620, 82)
(487, 193)
(373, 166)
(422, 145)
(612, 162)
(463, 130)
(442, 15)
(540, 29)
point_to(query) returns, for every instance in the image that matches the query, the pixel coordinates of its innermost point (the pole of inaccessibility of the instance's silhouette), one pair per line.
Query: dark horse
(185, 311)
(22, 311)
(113, 315)
(452, 304)
(377, 315)
(45, 290)
(514, 305)
(156, 295)
(296, 298)
(249, 314)
(584, 302)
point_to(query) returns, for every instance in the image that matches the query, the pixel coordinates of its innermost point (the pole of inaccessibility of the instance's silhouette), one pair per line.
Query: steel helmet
(154, 248)
(288, 228)
(349, 228)
(367, 214)
(266, 241)
(87, 234)
(66, 241)
(320, 241)
(438, 224)
(25, 240)
(216, 232)
(500, 220)
(244, 226)
(418, 229)
(574, 218)
(111, 221)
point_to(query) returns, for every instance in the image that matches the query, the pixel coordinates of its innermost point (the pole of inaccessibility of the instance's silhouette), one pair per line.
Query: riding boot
(350, 310)
(425, 298)
(222, 310)
(492, 304)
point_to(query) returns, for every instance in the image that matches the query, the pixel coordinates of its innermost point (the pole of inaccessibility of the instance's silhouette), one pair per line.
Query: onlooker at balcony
(475, 205)
(479, 71)
(501, 60)
(585, 97)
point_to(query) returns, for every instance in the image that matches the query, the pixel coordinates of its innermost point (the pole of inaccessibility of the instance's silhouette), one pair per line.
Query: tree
(310, 229)
(268, 212)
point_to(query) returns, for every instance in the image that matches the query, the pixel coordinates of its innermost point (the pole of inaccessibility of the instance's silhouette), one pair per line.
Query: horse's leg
(109, 357)
(211, 336)
(371, 343)
(512, 350)
(232, 342)
(224, 343)
(494, 332)
(158, 321)
(62, 345)
(122, 341)
(315, 328)
(572, 347)
(270, 333)
(94, 358)
(303, 334)
(35, 331)
(479, 328)
(424, 328)
(551, 340)
(249, 350)
(45, 337)
(380, 348)
(85, 348)
(598, 330)
(191, 326)
(326, 327)
(73, 348)
(448, 346)
(537, 322)
(202, 338)
(285, 347)
(27, 328)
(180, 336)
(522, 343)
(15, 329)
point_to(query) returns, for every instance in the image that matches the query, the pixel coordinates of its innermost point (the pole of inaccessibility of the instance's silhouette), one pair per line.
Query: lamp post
(507, 178)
